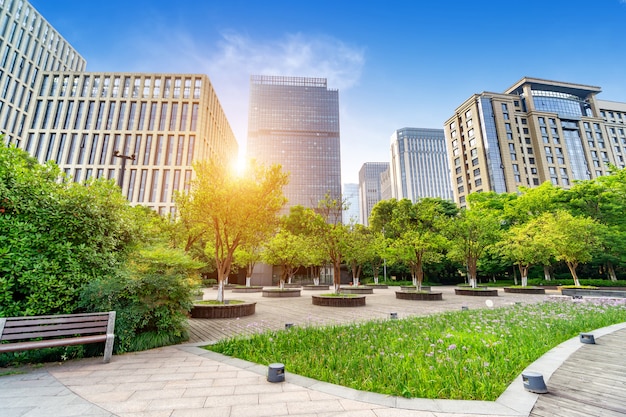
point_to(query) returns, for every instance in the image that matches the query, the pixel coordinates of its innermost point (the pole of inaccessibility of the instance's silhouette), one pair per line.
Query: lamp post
(117, 154)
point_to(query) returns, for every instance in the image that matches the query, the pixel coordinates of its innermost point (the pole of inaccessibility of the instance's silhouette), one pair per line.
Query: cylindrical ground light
(276, 372)
(533, 382)
(587, 338)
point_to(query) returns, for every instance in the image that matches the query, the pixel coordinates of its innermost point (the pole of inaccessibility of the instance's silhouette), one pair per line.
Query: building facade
(351, 198)
(29, 45)
(536, 131)
(294, 122)
(370, 187)
(419, 164)
(143, 130)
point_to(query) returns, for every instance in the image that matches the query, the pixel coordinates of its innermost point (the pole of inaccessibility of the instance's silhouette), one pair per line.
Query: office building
(350, 197)
(419, 164)
(29, 45)
(370, 189)
(294, 122)
(536, 131)
(143, 130)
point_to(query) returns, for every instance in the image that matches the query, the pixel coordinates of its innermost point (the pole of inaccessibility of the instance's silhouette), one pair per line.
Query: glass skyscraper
(294, 122)
(370, 189)
(419, 164)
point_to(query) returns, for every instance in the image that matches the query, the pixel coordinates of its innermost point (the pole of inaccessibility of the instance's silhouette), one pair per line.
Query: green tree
(332, 235)
(573, 239)
(231, 211)
(359, 250)
(289, 251)
(56, 235)
(526, 245)
(470, 233)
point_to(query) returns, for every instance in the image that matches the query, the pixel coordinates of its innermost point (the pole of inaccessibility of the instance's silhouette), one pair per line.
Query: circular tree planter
(413, 288)
(292, 285)
(525, 290)
(316, 287)
(419, 295)
(378, 286)
(361, 289)
(338, 300)
(476, 292)
(222, 311)
(285, 292)
(252, 288)
(226, 286)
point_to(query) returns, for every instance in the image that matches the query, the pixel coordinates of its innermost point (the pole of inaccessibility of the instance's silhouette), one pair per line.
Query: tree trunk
(471, 272)
(611, 271)
(337, 275)
(546, 273)
(523, 271)
(572, 268)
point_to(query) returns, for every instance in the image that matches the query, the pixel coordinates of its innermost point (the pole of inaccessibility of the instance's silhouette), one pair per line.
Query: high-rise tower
(536, 131)
(294, 122)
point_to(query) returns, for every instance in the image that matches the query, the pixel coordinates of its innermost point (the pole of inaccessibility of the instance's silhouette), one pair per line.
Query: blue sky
(395, 63)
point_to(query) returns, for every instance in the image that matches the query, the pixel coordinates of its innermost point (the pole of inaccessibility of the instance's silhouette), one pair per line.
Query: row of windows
(95, 149)
(102, 115)
(143, 186)
(90, 85)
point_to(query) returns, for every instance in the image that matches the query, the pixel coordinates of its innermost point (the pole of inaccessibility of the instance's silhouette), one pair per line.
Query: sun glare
(240, 165)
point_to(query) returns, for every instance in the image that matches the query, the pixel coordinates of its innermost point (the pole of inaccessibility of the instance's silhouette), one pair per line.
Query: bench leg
(108, 348)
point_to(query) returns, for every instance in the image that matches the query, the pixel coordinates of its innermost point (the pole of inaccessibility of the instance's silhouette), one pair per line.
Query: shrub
(152, 300)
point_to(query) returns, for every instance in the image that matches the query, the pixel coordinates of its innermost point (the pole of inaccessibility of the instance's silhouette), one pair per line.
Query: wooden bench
(35, 332)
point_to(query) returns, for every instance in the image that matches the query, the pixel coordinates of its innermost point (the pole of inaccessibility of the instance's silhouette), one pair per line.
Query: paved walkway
(185, 380)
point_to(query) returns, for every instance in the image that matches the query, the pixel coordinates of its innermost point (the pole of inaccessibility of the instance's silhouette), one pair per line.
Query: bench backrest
(61, 325)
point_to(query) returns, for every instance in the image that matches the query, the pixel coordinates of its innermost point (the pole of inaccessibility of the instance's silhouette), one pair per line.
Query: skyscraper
(370, 189)
(351, 199)
(419, 164)
(536, 131)
(294, 121)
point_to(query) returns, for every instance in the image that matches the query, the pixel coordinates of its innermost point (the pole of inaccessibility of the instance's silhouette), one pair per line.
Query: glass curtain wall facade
(370, 187)
(536, 131)
(294, 122)
(29, 45)
(164, 122)
(351, 199)
(419, 164)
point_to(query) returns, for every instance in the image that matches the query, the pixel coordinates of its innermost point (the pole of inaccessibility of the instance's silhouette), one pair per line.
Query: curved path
(185, 380)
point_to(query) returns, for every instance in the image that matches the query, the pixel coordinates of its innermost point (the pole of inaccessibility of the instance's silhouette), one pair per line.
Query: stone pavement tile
(397, 412)
(86, 390)
(208, 391)
(258, 388)
(357, 405)
(285, 397)
(175, 403)
(9, 393)
(141, 386)
(170, 376)
(260, 410)
(102, 397)
(156, 394)
(201, 412)
(318, 395)
(125, 378)
(230, 400)
(232, 373)
(152, 413)
(325, 406)
(126, 406)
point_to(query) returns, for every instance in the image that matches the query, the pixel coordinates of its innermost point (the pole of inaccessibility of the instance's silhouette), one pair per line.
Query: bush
(152, 301)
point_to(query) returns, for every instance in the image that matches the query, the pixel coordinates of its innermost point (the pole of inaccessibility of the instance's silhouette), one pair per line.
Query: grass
(469, 355)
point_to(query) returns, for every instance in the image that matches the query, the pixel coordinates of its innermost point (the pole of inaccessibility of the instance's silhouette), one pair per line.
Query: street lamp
(117, 154)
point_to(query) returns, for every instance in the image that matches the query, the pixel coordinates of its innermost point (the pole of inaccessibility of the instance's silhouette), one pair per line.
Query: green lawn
(470, 355)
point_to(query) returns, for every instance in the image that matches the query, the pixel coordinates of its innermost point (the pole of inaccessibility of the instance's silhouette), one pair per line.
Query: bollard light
(587, 338)
(464, 308)
(276, 372)
(533, 382)
(288, 326)
(393, 315)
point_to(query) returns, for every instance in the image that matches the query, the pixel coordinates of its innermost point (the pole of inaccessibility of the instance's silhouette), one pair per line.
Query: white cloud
(230, 62)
